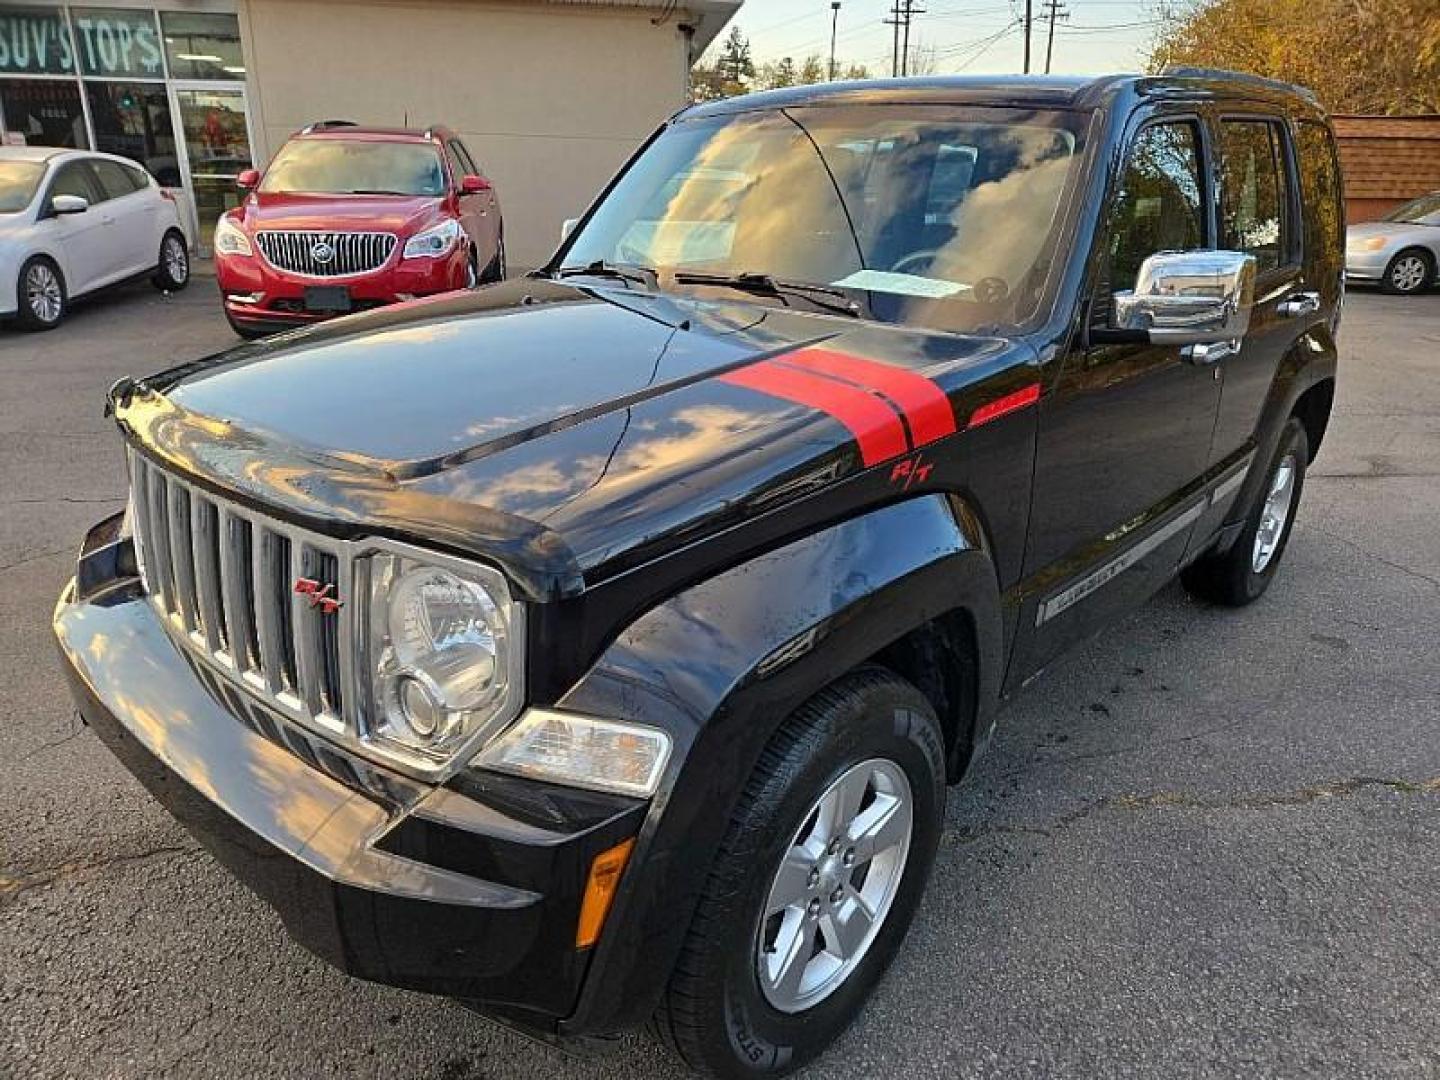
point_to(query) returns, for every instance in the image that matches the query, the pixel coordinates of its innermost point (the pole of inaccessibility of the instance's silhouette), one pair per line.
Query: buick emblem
(320, 596)
(322, 251)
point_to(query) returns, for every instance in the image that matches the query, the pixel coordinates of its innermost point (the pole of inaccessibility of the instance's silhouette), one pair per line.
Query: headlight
(434, 241)
(581, 751)
(1368, 243)
(445, 647)
(229, 240)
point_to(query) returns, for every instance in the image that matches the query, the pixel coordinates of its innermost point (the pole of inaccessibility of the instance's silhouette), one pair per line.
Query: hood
(1387, 228)
(399, 214)
(603, 423)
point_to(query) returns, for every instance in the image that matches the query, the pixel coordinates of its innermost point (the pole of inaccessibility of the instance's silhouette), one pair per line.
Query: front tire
(42, 300)
(815, 884)
(1244, 572)
(1409, 272)
(172, 271)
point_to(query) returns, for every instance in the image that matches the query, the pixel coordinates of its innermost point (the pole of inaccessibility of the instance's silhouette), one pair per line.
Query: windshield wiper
(375, 191)
(641, 275)
(822, 296)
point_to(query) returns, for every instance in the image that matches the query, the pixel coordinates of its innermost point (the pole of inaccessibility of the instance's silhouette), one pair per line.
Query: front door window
(217, 144)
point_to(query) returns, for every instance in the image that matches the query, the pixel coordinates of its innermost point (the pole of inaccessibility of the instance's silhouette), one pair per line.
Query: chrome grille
(224, 578)
(350, 252)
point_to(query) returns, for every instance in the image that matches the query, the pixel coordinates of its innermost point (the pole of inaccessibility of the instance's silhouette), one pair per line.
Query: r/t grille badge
(321, 596)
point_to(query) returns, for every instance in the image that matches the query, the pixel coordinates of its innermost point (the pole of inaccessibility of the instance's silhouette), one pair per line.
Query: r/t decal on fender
(911, 470)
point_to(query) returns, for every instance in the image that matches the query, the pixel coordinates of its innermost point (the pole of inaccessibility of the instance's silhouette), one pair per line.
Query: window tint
(114, 179)
(457, 164)
(1159, 206)
(1252, 192)
(1320, 193)
(464, 153)
(74, 179)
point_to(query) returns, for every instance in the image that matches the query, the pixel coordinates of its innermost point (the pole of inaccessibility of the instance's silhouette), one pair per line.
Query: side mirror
(471, 184)
(1189, 298)
(69, 204)
(567, 227)
(248, 180)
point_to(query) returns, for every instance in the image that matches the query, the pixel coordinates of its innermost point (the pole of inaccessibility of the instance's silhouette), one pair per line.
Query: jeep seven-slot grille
(326, 254)
(224, 578)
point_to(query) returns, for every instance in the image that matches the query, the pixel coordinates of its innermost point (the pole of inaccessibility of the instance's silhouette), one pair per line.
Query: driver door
(1125, 436)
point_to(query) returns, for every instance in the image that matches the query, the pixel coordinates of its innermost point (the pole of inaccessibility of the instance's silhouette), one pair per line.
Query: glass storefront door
(217, 150)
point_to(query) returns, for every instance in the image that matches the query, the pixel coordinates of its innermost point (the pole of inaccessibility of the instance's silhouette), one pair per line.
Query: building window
(117, 43)
(202, 46)
(132, 119)
(44, 112)
(35, 41)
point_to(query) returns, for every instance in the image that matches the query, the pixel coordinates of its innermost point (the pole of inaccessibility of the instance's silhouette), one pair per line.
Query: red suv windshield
(355, 167)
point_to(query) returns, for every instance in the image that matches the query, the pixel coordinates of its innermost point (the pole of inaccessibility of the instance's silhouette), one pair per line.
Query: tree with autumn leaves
(733, 72)
(1358, 56)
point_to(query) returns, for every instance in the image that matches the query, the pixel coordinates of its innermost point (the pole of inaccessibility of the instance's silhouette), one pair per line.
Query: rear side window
(114, 178)
(1320, 192)
(1159, 206)
(1254, 204)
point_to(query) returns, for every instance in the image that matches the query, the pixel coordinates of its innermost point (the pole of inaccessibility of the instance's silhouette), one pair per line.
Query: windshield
(1422, 211)
(937, 216)
(355, 167)
(18, 181)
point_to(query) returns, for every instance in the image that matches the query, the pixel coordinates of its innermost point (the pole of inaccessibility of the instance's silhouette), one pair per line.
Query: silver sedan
(1401, 251)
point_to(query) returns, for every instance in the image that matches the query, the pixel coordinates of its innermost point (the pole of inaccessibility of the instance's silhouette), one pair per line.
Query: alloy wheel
(1276, 512)
(43, 293)
(177, 260)
(835, 885)
(1408, 273)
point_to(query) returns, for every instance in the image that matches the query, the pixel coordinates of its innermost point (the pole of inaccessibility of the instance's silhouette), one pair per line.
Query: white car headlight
(229, 240)
(581, 751)
(1367, 243)
(446, 643)
(434, 241)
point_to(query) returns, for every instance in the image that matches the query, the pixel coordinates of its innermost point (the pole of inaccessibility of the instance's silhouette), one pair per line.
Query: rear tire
(1409, 272)
(1240, 575)
(41, 298)
(172, 272)
(791, 885)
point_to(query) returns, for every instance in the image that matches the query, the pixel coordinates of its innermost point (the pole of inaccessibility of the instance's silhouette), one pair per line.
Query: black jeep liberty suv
(597, 648)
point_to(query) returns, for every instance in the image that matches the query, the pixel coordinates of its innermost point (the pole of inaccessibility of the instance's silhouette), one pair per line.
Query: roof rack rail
(325, 125)
(1184, 71)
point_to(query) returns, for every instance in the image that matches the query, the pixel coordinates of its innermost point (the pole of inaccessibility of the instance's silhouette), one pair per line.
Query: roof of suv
(367, 133)
(1037, 91)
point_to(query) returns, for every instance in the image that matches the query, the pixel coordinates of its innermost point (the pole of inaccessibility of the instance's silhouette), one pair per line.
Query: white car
(72, 221)
(1401, 251)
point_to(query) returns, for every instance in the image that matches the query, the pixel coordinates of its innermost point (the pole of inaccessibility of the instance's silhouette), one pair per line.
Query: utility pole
(834, 21)
(1027, 35)
(1057, 11)
(894, 22)
(910, 12)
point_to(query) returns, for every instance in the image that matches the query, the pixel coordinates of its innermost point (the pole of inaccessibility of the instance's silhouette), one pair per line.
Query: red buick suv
(348, 218)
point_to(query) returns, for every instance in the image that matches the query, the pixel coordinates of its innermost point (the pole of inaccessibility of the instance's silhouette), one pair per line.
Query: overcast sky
(981, 36)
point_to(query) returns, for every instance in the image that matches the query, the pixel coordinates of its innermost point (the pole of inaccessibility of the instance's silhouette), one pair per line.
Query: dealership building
(550, 95)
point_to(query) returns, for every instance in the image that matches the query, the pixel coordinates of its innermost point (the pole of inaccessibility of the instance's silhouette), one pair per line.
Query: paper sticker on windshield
(905, 284)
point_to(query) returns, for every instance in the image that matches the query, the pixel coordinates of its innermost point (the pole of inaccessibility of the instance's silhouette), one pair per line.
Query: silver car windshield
(937, 216)
(1422, 211)
(18, 181)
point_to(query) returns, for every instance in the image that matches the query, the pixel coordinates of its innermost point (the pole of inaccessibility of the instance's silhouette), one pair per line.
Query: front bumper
(258, 296)
(470, 890)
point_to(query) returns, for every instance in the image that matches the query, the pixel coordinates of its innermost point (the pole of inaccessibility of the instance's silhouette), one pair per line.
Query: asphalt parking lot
(1206, 844)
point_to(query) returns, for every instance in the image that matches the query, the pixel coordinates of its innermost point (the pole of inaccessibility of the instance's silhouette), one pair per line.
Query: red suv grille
(326, 254)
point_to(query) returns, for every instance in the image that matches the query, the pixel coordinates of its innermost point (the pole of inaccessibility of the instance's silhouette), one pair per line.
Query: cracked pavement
(1205, 844)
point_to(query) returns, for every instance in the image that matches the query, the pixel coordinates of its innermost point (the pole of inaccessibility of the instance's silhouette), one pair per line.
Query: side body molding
(721, 664)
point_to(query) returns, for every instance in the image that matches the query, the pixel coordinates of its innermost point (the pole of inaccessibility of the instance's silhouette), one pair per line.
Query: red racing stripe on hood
(875, 425)
(924, 405)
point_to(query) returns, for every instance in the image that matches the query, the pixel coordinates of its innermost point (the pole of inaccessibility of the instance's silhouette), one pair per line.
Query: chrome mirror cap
(1190, 297)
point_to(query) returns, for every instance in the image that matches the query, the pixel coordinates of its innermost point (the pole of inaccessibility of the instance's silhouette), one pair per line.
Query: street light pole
(834, 20)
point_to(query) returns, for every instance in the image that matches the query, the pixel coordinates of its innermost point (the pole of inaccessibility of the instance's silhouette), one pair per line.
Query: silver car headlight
(445, 643)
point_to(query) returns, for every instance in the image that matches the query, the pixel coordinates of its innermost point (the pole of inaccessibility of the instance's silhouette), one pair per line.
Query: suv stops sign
(112, 44)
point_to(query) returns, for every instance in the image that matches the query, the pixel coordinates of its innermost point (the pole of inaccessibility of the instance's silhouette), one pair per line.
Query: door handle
(1300, 303)
(1210, 352)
